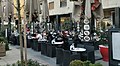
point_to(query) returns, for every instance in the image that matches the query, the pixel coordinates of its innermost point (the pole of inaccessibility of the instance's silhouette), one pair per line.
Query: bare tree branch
(12, 4)
(22, 7)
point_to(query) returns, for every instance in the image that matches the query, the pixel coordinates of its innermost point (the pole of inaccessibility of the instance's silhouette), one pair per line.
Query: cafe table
(79, 50)
(56, 43)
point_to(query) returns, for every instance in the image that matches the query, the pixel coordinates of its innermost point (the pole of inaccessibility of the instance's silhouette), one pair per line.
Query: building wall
(61, 10)
(110, 3)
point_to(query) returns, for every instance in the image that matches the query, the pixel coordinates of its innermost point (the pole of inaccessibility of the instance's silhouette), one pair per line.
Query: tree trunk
(19, 28)
(25, 42)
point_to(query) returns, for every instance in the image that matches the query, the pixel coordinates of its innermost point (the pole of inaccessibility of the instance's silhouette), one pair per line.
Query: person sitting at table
(38, 36)
(50, 37)
(65, 39)
(72, 46)
(76, 40)
(58, 38)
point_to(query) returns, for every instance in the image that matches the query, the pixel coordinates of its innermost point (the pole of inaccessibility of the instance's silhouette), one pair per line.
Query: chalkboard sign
(116, 45)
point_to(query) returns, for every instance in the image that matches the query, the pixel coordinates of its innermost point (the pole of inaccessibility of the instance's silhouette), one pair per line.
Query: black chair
(28, 43)
(32, 44)
(89, 54)
(66, 57)
(39, 46)
(75, 56)
(35, 44)
(80, 45)
(51, 51)
(43, 48)
(59, 56)
(96, 45)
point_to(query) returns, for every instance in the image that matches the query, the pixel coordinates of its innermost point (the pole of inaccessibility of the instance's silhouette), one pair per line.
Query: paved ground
(13, 55)
(97, 54)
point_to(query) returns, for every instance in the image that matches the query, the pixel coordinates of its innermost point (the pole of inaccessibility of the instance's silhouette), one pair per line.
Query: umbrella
(31, 6)
(45, 12)
(76, 11)
(88, 9)
(27, 6)
(8, 9)
(97, 9)
(35, 6)
(0, 10)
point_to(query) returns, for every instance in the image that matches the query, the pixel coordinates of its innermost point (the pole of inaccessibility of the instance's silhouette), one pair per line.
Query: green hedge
(83, 63)
(30, 62)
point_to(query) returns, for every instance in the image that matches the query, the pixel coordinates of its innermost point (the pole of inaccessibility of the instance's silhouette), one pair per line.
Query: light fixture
(86, 21)
(86, 32)
(86, 27)
(86, 38)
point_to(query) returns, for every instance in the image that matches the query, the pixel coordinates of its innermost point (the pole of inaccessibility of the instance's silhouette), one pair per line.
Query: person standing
(16, 37)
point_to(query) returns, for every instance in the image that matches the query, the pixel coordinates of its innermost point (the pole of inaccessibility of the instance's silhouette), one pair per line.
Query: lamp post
(9, 26)
(9, 23)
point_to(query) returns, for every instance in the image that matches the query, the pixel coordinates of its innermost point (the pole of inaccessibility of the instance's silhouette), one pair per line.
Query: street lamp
(9, 26)
(9, 23)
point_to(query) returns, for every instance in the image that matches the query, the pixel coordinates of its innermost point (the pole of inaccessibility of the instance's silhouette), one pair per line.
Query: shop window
(51, 5)
(65, 23)
(63, 3)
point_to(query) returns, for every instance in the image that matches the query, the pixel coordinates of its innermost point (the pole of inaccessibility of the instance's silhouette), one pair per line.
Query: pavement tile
(13, 56)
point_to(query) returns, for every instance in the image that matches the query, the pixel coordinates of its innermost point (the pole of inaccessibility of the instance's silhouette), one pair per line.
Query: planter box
(104, 52)
(2, 50)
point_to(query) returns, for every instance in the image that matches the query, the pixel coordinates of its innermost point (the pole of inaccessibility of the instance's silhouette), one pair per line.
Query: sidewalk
(97, 53)
(13, 55)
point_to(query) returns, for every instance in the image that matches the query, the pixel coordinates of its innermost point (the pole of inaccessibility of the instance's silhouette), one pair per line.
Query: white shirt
(16, 33)
(39, 36)
(72, 47)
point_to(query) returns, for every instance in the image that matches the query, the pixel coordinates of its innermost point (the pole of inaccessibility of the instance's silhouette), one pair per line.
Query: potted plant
(103, 46)
(2, 47)
(3, 39)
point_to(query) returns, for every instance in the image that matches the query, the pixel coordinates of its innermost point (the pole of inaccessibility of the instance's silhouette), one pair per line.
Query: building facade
(109, 11)
(62, 13)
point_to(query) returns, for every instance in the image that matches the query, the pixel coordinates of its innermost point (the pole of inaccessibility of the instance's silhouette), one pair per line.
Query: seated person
(38, 36)
(76, 40)
(33, 35)
(58, 39)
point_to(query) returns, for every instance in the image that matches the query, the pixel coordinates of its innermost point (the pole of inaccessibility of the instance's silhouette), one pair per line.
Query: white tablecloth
(79, 49)
(53, 42)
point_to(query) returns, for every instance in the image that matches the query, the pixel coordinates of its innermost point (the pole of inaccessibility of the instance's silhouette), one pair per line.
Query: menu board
(116, 45)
